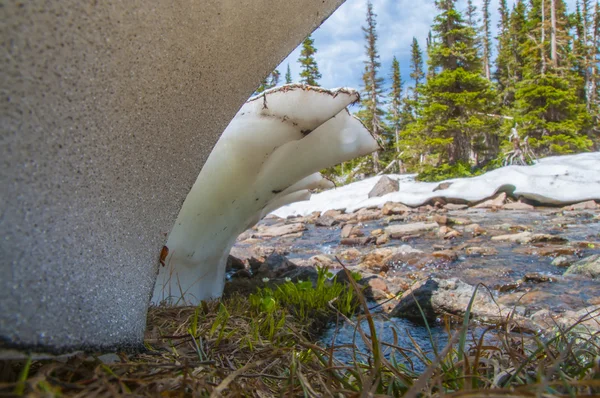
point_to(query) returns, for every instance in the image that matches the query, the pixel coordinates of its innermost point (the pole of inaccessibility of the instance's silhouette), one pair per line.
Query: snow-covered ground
(553, 180)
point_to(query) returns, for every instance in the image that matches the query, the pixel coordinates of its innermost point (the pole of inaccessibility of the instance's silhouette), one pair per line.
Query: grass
(262, 346)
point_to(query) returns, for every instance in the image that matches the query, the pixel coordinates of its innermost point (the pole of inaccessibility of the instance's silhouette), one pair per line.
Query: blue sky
(340, 43)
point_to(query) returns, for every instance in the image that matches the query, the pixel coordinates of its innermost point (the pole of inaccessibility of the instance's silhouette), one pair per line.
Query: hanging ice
(268, 156)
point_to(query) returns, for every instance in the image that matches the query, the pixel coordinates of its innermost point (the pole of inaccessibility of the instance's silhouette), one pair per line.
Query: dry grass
(222, 349)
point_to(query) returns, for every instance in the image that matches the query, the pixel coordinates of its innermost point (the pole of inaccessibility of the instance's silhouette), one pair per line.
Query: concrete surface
(109, 110)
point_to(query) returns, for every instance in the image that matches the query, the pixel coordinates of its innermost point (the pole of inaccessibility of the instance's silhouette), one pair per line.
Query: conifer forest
(476, 102)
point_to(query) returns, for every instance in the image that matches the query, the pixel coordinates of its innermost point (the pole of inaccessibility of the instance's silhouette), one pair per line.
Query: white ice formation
(269, 156)
(557, 180)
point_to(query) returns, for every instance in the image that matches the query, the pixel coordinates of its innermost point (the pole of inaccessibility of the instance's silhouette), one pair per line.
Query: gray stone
(108, 114)
(400, 230)
(589, 266)
(278, 230)
(384, 186)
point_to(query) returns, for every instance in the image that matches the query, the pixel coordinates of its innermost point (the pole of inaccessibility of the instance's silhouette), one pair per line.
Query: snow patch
(556, 180)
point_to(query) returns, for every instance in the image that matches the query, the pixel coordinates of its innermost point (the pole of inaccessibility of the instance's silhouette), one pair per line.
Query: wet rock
(312, 217)
(234, 264)
(447, 296)
(453, 206)
(332, 213)
(588, 205)
(325, 221)
(449, 255)
(546, 251)
(382, 239)
(378, 257)
(475, 229)
(507, 287)
(368, 215)
(275, 265)
(536, 277)
(392, 208)
(495, 202)
(481, 251)
(448, 233)
(108, 359)
(322, 260)
(528, 237)
(589, 266)
(350, 230)
(442, 186)
(459, 221)
(384, 186)
(397, 231)
(301, 274)
(518, 206)
(377, 232)
(350, 254)
(265, 231)
(346, 218)
(563, 261)
(357, 241)
(440, 219)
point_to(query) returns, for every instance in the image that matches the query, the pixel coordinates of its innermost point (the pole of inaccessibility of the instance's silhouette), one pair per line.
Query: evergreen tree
(268, 82)
(454, 102)
(416, 67)
(309, 71)
(395, 103)
(371, 113)
(549, 106)
(288, 75)
(486, 39)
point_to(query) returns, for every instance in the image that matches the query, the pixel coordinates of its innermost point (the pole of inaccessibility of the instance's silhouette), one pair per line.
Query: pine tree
(288, 75)
(416, 67)
(395, 103)
(549, 106)
(486, 39)
(268, 82)
(309, 70)
(456, 100)
(371, 113)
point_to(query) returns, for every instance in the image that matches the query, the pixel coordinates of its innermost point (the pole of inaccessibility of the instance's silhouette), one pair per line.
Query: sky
(340, 40)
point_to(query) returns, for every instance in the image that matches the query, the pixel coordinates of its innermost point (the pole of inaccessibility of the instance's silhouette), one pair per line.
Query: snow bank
(554, 180)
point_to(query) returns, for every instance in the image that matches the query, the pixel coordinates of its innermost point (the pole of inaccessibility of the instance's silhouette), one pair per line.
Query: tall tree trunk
(553, 54)
(543, 40)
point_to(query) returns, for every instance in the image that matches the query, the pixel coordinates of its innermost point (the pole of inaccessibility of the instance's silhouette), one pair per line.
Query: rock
(392, 208)
(321, 260)
(448, 233)
(475, 229)
(108, 359)
(243, 273)
(495, 202)
(382, 239)
(234, 264)
(397, 231)
(523, 237)
(368, 215)
(481, 251)
(325, 221)
(442, 186)
(453, 206)
(350, 230)
(518, 206)
(377, 232)
(332, 213)
(376, 287)
(459, 221)
(536, 277)
(547, 251)
(563, 261)
(357, 241)
(278, 230)
(345, 218)
(275, 265)
(350, 254)
(312, 217)
(441, 220)
(302, 274)
(589, 266)
(378, 257)
(588, 205)
(447, 296)
(449, 255)
(384, 186)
